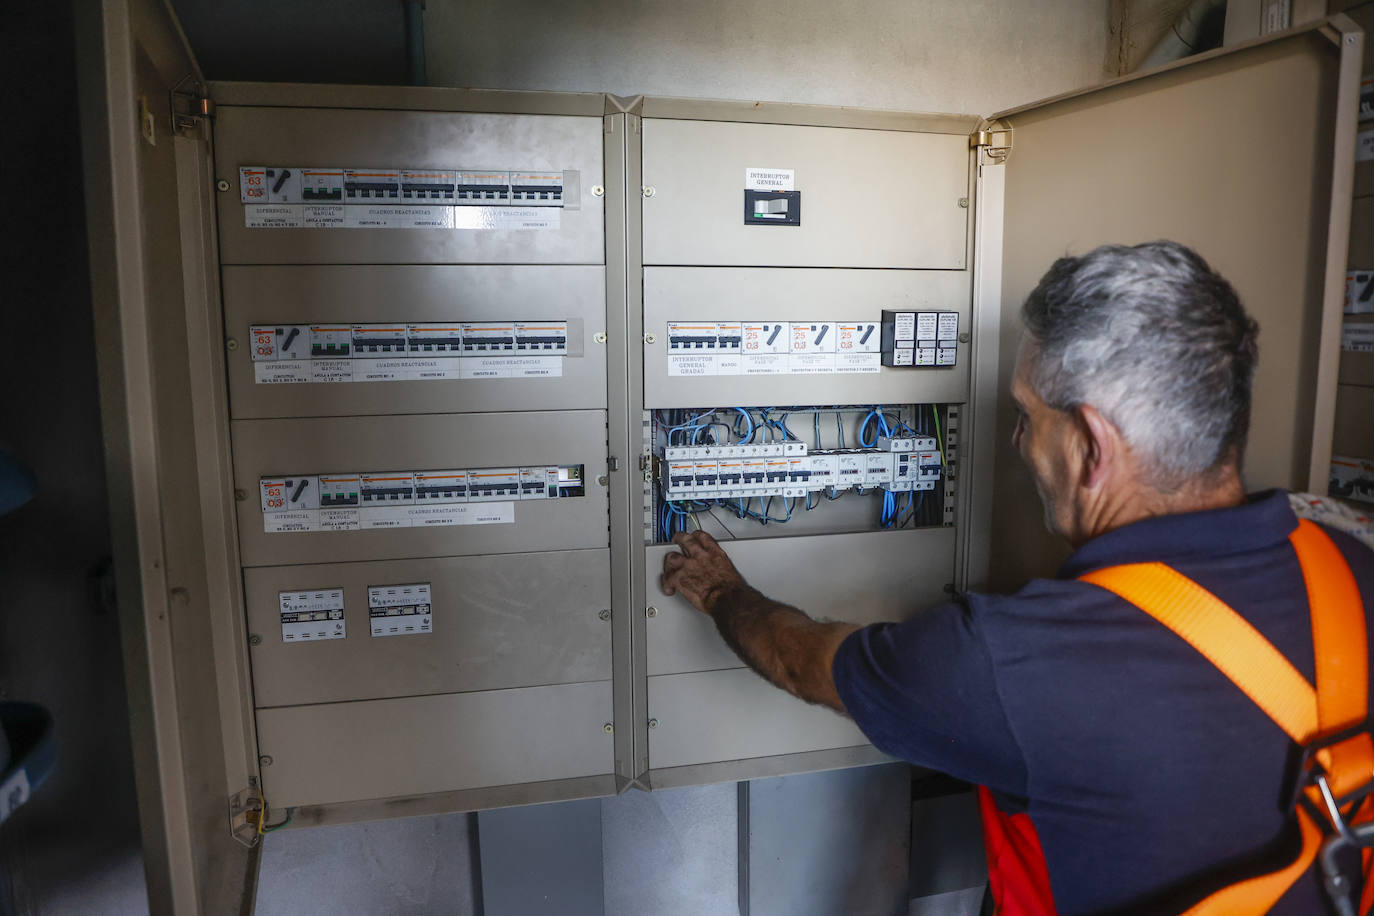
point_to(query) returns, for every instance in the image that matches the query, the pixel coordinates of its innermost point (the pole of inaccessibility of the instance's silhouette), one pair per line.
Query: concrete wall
(966, 56)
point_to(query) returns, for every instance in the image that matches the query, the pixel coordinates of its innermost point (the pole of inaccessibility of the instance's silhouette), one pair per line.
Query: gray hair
(1155, 340)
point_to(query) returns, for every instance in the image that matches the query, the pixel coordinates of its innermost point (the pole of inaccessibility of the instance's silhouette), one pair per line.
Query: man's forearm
(781, 642)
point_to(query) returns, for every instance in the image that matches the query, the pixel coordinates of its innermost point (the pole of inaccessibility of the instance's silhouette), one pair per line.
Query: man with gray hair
(1122, 770)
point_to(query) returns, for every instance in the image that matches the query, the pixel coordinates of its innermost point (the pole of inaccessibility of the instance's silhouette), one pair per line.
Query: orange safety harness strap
(1229, 642)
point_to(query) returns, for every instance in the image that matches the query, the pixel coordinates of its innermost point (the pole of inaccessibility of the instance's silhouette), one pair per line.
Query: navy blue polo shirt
(1145, 771)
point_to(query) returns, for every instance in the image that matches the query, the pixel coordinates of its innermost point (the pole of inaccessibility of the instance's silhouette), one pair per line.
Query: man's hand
(701, 573)
(778, 641)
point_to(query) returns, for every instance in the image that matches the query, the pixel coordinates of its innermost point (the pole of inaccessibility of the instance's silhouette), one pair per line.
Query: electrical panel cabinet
(409, 395)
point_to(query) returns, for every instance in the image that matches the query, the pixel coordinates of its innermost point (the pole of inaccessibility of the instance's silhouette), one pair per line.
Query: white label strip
(405, 369)
(314, 615)
(400, 610)
(1357, 337)
(770, 179)
(379, 216)
(379, 517)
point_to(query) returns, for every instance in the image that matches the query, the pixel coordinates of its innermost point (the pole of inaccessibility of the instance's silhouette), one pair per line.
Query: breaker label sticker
(311, 616)
(1358, 337)
(752, 348)
(400, 610)
(1359, 292)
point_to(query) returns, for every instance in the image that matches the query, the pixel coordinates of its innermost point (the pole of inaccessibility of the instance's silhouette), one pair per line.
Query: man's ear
(1103, 446)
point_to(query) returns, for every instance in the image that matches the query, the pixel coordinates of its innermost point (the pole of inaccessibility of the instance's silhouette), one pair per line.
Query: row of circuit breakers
(263, 184)
(343, 341)
(903, 338)
(789, 469)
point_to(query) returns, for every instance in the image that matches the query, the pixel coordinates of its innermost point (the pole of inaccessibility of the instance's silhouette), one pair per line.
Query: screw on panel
(221, 185)
(255, 640)
(600, 337)
(648, 191)
(651, 612)
(598, 190)
(608, 728)
(605, 614)
(603, 480)
(653, 723)
(963, 338)
(650, 338)
(963, 202)
(265, 760)
(240, 495)
(231, 344)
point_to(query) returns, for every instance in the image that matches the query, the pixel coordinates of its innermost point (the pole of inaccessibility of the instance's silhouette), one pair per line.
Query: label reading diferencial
(312, 615)
(272, 216)
(400, 610)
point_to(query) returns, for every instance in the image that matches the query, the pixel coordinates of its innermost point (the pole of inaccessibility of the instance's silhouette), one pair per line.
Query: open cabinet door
(1245, 154)
(159, 346)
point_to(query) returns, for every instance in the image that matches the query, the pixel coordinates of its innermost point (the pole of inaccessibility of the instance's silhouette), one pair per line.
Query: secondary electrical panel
(418, 403)
(781, 412)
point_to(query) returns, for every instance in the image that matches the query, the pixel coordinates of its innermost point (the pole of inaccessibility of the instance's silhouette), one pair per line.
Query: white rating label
(312, 615)
(400, 610)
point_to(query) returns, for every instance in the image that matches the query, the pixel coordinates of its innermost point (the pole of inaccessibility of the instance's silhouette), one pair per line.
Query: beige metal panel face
(747, 294)
(342, 752)
(869, 198)
(1354, 422)
(516, 620)
(264, 448)
(1141, 161)
(349, 138)
(860, 578)
(733, 715)
(305, 295)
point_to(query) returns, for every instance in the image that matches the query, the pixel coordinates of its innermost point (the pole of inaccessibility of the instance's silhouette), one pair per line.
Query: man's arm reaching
(777, 640)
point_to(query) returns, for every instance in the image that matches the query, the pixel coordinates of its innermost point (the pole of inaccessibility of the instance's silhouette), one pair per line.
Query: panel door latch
(191, 106)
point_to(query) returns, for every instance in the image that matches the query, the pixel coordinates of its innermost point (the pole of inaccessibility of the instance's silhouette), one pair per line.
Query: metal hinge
(995, 142)
(244, 810)
(191, 106)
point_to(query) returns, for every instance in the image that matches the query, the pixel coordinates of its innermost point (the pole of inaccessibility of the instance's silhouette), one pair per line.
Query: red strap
(1017, 875)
